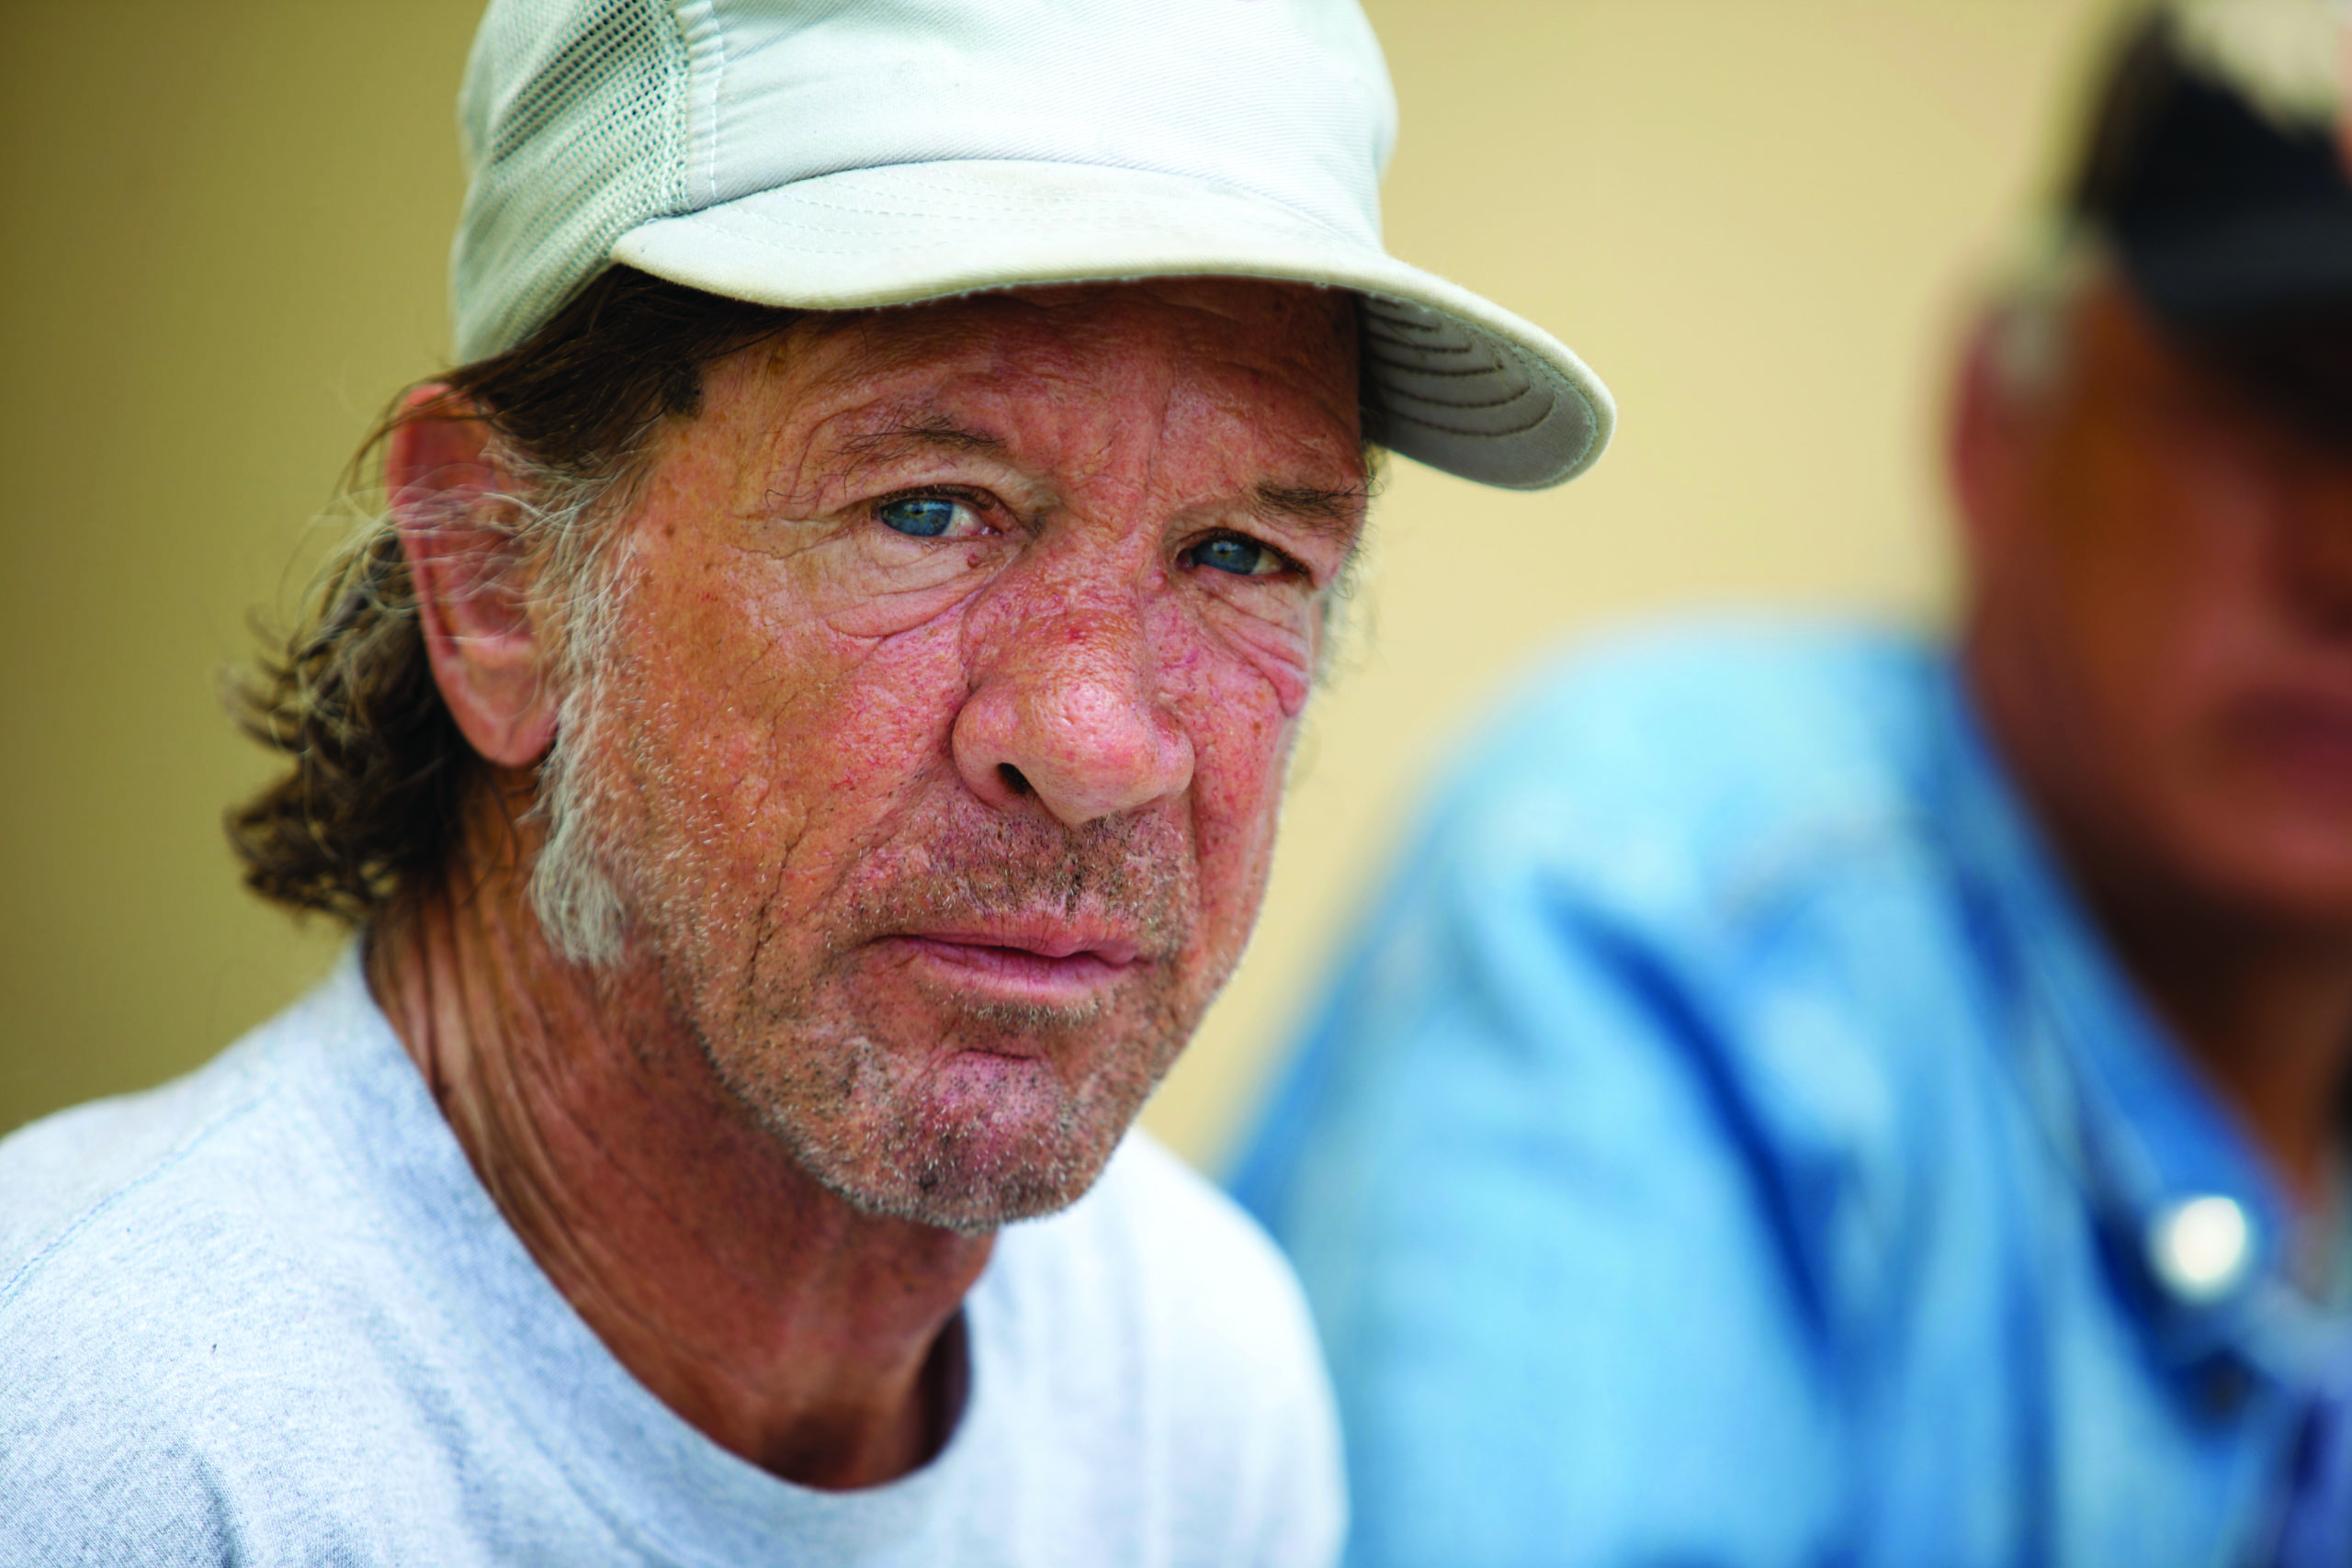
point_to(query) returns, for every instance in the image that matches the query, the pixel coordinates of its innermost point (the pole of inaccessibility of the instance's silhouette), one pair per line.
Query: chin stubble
(812, 1062)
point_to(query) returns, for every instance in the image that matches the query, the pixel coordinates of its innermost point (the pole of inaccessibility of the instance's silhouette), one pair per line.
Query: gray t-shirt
(267, 1314)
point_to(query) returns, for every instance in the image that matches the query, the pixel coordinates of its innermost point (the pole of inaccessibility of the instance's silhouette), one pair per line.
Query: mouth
(1041, 963)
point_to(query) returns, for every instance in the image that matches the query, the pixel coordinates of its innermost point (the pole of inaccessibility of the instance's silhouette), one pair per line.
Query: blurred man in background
(1819, 1096)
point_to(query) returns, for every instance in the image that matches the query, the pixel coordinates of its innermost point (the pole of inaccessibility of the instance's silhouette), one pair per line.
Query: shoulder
(166, 1183)
(119, 1190)
(1734, 832)
(1685, 773)
(1684, 912)
(179, 1302)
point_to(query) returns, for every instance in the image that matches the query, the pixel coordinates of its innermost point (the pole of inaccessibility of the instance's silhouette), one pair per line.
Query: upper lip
(1045, 938)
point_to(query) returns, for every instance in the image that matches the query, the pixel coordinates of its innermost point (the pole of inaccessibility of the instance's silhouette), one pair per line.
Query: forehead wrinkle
(1200, 410)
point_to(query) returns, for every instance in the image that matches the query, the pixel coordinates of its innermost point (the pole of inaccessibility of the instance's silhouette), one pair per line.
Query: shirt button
(2201, 1249)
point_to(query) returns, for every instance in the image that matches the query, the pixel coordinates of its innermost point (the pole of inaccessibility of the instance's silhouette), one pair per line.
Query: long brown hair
(379, 776)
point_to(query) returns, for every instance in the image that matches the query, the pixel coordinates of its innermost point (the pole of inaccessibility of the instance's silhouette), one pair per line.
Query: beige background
(225, 226)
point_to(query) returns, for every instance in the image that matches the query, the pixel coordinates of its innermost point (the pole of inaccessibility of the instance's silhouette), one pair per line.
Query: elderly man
(801, 748)
(1816, 1098)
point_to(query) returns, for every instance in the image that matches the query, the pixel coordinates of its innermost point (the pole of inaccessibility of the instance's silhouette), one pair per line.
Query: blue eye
(919, 517)
(1242, 558)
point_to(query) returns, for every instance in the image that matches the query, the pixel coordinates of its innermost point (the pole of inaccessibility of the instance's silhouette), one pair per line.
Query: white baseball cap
(845, 155)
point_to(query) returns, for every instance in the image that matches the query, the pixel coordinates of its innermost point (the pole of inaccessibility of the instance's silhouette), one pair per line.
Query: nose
(1068, 713)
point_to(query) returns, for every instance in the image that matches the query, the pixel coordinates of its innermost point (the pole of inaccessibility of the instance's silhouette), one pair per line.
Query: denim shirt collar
(2144, 1136)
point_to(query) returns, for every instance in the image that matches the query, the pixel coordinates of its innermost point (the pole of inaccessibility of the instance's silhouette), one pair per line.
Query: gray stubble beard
(857, 1114)
(854, 1115)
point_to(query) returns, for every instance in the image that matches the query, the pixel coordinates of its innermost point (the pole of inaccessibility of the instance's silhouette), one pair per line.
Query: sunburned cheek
(1277, 651)
(858, 721)
(734, 796)
(1242, 721)
(727, 708)
(1237, 790)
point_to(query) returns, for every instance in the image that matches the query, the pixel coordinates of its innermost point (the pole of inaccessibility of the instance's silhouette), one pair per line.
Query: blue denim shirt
(1730, 1145)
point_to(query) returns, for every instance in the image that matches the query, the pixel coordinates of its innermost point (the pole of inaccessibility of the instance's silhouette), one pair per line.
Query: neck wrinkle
(805, 1336)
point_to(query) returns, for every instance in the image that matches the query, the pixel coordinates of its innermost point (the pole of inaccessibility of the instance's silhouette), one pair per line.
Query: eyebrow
(937, 431)
(1333, 513)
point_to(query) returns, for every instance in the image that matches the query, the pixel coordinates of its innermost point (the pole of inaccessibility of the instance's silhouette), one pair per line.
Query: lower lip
(1015, 974)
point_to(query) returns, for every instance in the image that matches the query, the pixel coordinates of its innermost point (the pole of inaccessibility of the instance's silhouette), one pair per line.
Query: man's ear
(473, 593)
(1986, 448)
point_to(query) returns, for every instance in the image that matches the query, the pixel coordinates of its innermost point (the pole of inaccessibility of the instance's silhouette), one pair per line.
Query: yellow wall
(224, 233)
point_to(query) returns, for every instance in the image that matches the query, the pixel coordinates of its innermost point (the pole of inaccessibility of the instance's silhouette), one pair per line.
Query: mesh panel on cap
(574, 120)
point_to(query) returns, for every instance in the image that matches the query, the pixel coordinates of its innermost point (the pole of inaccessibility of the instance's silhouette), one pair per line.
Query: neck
(2267, 1016)
(804, 1335)
(2262, 1006)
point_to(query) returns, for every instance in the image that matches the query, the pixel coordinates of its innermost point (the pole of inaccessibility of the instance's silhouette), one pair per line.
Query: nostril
(1013, 779)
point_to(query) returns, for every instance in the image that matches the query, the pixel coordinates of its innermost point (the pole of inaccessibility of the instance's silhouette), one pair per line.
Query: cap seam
(1523, 393)
(1463, 431)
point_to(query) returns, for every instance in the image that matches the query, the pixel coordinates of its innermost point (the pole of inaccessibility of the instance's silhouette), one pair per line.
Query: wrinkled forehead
(1263, 373)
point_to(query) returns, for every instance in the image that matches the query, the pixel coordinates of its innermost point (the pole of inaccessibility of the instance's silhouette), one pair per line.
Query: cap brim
(1460, 384)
